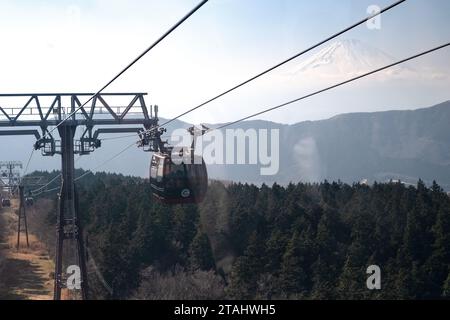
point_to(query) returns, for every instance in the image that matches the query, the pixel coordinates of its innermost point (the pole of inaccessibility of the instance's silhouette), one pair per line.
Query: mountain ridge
(429, 108)
(378, 146)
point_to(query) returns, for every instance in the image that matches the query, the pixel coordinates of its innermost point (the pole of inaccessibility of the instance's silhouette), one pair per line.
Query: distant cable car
(6, 203)
(29, 201)
(178, 181)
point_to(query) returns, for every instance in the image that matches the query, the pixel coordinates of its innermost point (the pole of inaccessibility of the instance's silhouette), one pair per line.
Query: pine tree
(247, 270)
(446, 288)
(352, 281)
(295, 269)
(200, 253)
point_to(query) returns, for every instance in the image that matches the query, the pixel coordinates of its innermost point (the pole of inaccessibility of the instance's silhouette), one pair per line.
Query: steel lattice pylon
(10, 175)
(33, 115)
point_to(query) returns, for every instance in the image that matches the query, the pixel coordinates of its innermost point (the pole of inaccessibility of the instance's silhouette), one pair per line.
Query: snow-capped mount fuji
(346, 58)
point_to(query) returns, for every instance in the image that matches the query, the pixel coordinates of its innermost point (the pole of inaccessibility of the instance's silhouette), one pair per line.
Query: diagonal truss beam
(33, 112)
(44, 110)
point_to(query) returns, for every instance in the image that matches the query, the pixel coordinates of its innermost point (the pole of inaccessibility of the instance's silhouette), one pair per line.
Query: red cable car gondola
(172, 183)
(178, 182)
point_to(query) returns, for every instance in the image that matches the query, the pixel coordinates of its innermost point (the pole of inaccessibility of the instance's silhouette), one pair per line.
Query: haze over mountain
(378, 146)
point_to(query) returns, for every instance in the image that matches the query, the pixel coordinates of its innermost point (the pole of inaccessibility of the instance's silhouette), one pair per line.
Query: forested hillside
(301, 241)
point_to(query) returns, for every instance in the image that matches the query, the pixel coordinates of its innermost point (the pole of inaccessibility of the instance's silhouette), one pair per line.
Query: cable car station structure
(36, 119)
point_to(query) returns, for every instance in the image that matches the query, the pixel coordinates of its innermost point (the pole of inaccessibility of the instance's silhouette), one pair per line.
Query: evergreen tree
(298, 241)
(201, 256)
(247, 270)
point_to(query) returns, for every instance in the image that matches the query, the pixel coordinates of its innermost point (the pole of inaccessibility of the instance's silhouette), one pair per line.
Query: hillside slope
(25, 274)
(380, 146)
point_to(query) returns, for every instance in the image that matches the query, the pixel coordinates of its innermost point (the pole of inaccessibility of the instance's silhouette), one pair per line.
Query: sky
(78, 46)
(74, 46)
